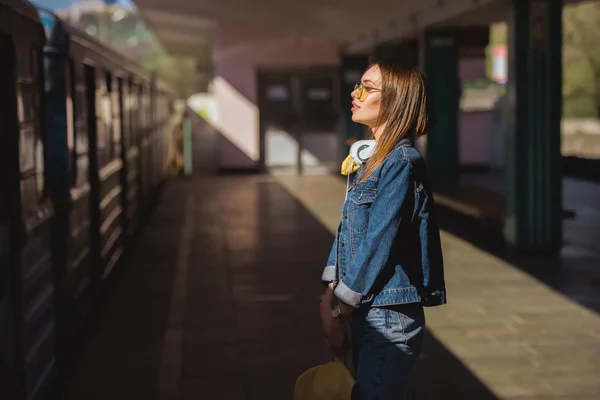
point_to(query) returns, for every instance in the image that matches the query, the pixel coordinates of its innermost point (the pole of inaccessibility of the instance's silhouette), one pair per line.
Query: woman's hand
(333, 329)
(346, 309)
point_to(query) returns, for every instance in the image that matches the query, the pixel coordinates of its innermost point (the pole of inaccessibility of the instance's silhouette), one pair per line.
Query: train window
(136, 94)
(81, 138)
(78, 122)
(26, 114)
(103, 121)
(142, 103)
(157, 110)
(25, 102)
(39, 167)
(159, 107)
(81, 125)
(28, 194)
(69, 90)
(108, 111)
(131, 110)
(26, 147)
(126, 111)
(36, 93)
(116, 117)
(145, 106)
(80, 105)
(82, 169)
(150, 108)
(23, 61)
(31, 149)
(100, 132)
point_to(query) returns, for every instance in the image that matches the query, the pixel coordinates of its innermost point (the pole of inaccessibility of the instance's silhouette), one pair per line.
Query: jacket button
(345, 216)
(342, 243)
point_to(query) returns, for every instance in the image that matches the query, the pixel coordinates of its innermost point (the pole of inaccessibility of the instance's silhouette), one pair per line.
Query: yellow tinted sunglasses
(363, 91)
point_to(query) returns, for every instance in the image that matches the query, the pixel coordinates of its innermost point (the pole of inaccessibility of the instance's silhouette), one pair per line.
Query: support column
(440, 58)
(534, 197)
(351, 71)
(473, 141)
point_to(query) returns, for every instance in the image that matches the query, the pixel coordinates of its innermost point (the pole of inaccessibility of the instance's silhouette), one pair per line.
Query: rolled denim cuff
(347, 295)
(328, 274)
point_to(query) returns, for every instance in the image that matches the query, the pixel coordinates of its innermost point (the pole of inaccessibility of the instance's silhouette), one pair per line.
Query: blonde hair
(405, 107)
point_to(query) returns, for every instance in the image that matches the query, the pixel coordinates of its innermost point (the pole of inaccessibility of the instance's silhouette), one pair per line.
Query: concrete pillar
(534, 198)
(473, 117)
(440, 64)
(351, 71)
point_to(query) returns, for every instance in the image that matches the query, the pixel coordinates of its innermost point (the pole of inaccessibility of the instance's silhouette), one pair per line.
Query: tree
(181, 73)
(581, 60)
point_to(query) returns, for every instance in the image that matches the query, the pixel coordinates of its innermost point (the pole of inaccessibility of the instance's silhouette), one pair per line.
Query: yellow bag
(331, 381)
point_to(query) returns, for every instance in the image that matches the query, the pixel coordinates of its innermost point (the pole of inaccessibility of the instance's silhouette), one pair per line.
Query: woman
(386, 260)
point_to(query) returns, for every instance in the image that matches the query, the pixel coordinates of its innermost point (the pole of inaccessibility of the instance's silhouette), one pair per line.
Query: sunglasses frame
(363, 91)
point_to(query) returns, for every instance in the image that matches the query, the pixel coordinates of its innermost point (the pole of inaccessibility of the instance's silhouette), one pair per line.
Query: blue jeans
(386, 343)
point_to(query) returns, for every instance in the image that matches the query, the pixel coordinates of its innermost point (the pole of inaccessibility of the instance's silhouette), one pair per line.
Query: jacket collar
(404, 143)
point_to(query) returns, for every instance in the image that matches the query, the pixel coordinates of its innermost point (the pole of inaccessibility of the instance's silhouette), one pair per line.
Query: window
(142, 111)
(116, 117)
(80, 147)
(31, 149)
(69, 91)
(134, 113)
(104, 120)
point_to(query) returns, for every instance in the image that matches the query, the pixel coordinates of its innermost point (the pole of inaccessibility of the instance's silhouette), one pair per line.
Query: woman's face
(366, 111)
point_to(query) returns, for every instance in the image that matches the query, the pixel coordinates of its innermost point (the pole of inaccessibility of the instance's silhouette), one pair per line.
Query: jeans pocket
(377, 318)
(407, 323)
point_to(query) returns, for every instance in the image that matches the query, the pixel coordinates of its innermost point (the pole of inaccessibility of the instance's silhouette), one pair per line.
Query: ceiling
(189, 28)
(185, 26)
(181, 34)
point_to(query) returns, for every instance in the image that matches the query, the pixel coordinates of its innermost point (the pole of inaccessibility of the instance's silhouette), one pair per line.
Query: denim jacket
(387, 247)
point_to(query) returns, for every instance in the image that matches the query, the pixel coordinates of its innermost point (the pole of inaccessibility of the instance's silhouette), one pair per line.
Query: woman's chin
(358, 119)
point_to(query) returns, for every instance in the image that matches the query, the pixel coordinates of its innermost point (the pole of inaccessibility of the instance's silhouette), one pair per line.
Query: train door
(318, 98)
(8, 201)
(279, 117)
(36, 298)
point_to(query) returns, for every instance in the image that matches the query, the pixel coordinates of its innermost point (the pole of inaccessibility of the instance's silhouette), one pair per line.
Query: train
(85, 144)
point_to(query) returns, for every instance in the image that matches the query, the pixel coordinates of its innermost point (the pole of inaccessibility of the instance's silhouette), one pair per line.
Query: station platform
(219, 299)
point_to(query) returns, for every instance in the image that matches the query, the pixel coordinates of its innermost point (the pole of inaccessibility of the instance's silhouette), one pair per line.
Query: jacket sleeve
(329, 273)
(384, 222)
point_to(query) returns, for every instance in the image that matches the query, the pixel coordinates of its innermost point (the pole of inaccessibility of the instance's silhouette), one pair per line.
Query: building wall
(239, 54)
